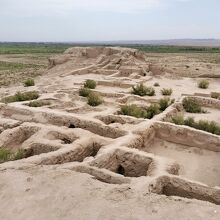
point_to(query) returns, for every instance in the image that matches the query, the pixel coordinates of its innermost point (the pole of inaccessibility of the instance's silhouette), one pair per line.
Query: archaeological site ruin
(119, 134)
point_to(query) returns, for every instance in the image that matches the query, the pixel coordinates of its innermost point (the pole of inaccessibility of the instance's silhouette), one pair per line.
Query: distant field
(48, 48)
(176, 49)
(31, 48)
(19, 61)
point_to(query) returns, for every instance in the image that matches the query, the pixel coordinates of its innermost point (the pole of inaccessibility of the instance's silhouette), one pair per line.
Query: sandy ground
(42, 193)
(197, 164)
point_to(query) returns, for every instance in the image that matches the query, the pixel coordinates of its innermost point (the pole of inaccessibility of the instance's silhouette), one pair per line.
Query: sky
(108, 20)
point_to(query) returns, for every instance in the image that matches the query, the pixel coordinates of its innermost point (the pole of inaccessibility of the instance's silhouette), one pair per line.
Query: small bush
(142, 90)
(150, 91)
(211, 127)
(166, 91)
(39, 103)
(215, 95)
(133, 110)
(84, 92)
(7, 155)
(152, 110)
(156, 84)
(189, 122)
(203, 84)
(18, 155)
(4, 155)
(148, 112)
(140, 112)
(21, 96)
(191, 105)
(139, 89)
(178, 119)
(94, 99)
(91, 84)
(29, 82)
(165, 102)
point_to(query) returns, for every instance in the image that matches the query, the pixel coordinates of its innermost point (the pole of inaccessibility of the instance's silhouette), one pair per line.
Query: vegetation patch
(152, 110)
(94, 99)
(29, 82)
(21, 96)
(10, 66)
(203, 84)
(167, 92)
(174, 49)
(39, 103)
(91, 84)
(204, 125)
(8, 155)
(33, 48)
(142, 90)
(133, 110)
(165, 103)
(191, 105)
(84, 92)
(146, 112)
(215, 95)
(140, 112)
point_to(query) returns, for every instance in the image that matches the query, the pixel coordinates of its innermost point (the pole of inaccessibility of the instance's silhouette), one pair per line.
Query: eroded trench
(34, 139)
(78, 152)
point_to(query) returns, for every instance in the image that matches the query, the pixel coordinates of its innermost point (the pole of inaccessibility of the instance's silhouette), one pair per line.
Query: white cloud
(117, 5)
(48, 7)
(124, 6)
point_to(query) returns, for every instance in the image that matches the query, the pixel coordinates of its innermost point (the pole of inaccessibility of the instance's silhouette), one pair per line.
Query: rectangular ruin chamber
(197, 152)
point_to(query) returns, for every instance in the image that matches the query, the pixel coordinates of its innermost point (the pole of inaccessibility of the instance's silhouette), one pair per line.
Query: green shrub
(91, 84)
(152, 110)
(166, 91)
(150, 91)
(29, 82)
(139, 89)
(39, 103)
(211, 127)
(84, 92)
(189, 122)
(156, 84)
(4, 155)
(191, 105)
(203, 84)
(142, 90)
(94, 99)
(8, 155)
(178, 119)
(21, 96)
(140, 112)
(133, 110)
(18, 155)
(215, 95)
(146, 112)
(165, 102)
